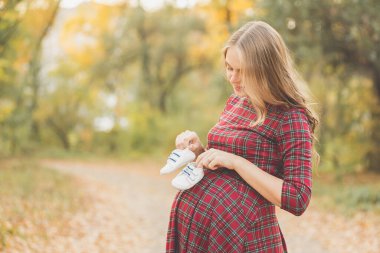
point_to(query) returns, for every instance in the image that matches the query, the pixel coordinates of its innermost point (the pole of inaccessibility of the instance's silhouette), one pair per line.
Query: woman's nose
(234, 77)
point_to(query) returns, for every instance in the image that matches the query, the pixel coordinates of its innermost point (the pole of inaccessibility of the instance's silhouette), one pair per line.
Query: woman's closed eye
(229, 69)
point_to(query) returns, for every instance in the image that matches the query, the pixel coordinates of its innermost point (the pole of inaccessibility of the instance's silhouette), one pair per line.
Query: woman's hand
(214, 158)
(269, 186)
(190, 140)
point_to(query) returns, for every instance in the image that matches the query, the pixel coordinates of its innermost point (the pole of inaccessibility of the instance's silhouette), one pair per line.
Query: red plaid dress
(222, 213)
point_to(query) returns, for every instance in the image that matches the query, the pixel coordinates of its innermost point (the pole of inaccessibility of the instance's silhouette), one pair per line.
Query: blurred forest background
(121, 79)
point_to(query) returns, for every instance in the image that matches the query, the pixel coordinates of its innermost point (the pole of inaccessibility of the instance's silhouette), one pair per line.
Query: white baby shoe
(177, 159)
(188, 177)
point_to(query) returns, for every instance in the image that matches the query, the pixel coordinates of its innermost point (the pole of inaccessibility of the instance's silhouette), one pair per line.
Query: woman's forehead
(232, 57)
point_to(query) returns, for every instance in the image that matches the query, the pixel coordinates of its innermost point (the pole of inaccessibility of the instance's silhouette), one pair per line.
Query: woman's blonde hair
(267, 72)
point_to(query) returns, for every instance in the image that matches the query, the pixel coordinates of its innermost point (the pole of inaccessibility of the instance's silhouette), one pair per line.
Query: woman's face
(232, 63)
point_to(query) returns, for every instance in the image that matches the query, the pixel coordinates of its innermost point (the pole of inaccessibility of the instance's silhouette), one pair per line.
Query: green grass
(348, 193)
(33, 199)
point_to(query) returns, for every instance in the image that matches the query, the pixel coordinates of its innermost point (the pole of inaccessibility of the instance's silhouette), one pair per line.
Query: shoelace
(189, 171)
(173, 157)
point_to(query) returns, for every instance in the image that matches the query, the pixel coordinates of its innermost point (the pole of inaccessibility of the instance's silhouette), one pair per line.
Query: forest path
(132, 205)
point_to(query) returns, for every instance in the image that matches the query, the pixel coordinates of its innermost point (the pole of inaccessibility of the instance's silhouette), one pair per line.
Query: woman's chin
(239, 93)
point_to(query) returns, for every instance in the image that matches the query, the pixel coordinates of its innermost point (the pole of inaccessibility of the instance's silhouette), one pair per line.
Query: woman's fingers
(200, 158)
(180, 146)
(187, 142)
(206, 158)
(180, 141)
(186, 138)
(214, 164)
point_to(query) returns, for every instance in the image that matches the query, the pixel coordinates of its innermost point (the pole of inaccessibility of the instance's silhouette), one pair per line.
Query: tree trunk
(34, 132)
(35, 67)
(228, 17)
(374, 154)
(61, 134)
(162, 101)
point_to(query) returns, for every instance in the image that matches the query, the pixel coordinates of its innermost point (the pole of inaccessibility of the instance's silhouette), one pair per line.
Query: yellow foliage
(222, 18)
(35, 20)
(4, 76)
(80, 37)
(6, 108)
(23, 58)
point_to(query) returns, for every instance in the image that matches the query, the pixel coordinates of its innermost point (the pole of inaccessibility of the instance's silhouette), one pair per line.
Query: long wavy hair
(267, 73)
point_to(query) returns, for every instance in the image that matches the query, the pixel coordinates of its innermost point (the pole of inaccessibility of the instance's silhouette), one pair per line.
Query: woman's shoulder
(292, 120)
(284, 114)
(294, 114)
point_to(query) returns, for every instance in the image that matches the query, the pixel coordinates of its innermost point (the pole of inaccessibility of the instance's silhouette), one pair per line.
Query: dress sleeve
(295, 143)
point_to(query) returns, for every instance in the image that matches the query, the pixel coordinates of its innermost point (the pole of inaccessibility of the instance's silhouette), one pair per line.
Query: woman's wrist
(238, 163)
(199, 151)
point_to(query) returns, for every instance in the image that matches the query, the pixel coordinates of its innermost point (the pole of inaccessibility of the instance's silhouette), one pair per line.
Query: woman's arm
(268, 186)
(293, 192)
(295, 144)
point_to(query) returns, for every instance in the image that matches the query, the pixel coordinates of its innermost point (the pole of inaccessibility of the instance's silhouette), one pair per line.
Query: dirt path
(131, 212)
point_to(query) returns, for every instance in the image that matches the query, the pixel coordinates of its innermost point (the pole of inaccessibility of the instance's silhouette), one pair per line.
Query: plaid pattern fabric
(222, 213)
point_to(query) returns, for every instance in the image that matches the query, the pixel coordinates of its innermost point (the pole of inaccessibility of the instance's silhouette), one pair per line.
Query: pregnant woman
(258, 156)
